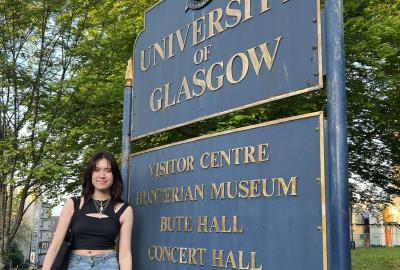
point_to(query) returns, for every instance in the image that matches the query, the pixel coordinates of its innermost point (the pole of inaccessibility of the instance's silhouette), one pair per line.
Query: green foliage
(296, 105)
(94, 111)
(61, 85)
(372, 39)
(16, 255)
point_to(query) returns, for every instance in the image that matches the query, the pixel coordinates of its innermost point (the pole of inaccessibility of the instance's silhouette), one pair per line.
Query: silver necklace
(101, 206)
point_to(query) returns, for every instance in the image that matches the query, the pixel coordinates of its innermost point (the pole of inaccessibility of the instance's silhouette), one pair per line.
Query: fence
(373, 235)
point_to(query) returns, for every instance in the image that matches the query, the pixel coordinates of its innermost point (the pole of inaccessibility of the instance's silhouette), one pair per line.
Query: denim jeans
(106, 261)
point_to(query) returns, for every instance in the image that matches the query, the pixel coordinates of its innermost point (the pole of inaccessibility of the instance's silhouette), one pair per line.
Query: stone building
(41, 233)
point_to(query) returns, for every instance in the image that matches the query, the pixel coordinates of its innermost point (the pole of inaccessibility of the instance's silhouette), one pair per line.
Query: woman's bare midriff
(87, 252)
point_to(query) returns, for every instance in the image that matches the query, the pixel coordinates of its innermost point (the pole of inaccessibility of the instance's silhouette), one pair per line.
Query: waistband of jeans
(100, 256)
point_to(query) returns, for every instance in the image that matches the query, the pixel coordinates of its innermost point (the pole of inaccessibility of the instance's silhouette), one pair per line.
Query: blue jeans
(106, 261)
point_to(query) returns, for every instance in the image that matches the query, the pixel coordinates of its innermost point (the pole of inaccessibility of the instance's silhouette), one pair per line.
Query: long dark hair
(116, 188)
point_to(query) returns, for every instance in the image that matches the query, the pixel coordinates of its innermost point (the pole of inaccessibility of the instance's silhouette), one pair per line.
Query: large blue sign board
(250, 198)
(199, 59)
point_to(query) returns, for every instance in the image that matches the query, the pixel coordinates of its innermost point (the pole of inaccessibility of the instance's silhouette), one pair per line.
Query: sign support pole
(126, 130)
(337, 135)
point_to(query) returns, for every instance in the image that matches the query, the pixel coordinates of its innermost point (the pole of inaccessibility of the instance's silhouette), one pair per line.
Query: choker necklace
(101, 206)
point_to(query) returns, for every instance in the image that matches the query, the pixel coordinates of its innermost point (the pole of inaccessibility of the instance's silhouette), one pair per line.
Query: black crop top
(96, 233)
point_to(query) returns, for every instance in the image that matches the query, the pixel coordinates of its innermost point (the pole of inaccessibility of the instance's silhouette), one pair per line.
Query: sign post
(126, 129)
(337, 134)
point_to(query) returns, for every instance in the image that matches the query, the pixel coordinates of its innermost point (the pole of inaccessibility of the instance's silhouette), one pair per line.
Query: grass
(376, 258)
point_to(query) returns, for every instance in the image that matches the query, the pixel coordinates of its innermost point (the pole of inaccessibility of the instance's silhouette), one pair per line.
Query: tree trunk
(2, 221)
(3, 259)
(9, 209)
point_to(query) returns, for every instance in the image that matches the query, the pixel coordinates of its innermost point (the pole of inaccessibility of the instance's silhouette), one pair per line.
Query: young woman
(102, 215)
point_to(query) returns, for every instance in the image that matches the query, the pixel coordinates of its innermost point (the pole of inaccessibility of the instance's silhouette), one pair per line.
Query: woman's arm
(125, 254)
(59, 235)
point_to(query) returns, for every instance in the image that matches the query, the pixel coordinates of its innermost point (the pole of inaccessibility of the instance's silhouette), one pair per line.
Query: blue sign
(199, 59)
(250, 198)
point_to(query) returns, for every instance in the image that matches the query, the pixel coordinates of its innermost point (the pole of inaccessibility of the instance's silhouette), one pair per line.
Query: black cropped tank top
(96, 233)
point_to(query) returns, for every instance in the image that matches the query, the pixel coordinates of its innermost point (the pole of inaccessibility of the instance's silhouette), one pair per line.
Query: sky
(57, 210)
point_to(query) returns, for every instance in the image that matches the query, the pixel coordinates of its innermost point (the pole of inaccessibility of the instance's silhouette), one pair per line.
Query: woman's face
(102, 177)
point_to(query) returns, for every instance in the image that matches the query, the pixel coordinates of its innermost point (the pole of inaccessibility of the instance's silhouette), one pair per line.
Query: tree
(16, 255)
(373, 85)
(56, 58)
(93, 116)
(37, 41)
